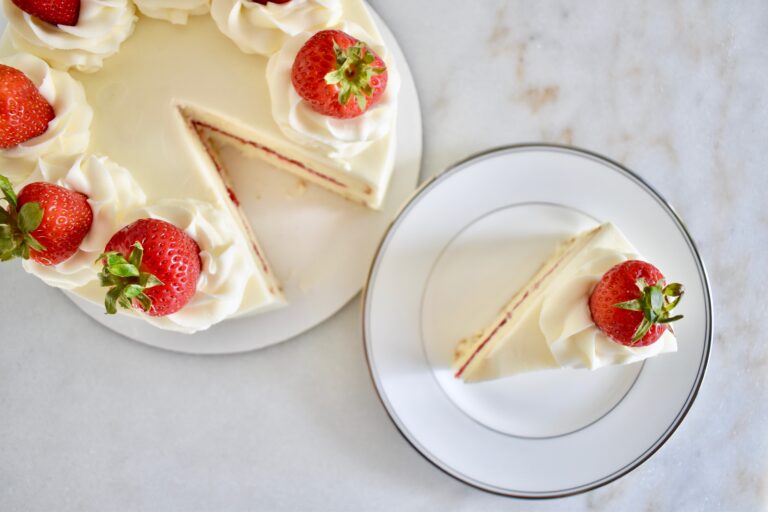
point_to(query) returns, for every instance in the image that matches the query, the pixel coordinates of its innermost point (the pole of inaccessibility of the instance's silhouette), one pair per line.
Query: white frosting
(263, 29)
(175, 11)
(226, 264)
(567, 326)
(103, 25)
(112, 194)
(68, 133)
(548, 323)
(337, 138)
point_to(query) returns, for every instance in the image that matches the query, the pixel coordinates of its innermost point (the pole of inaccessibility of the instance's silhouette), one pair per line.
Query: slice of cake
(548, 323)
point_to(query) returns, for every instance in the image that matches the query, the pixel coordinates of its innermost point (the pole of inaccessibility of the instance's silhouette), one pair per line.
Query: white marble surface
(90, 421)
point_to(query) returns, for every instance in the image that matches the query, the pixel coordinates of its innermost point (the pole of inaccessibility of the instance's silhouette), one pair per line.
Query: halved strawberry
(46, 222)
(331, 68)
(150, 265)
(632, 303)
(56, 12)
(24, 113)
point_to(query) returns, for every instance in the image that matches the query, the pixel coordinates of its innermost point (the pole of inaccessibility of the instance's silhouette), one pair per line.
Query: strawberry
(265, 2)
(152, 265)
(24, 113)
(631, 303)
(46, 223)
(56, 12)
(331, 68)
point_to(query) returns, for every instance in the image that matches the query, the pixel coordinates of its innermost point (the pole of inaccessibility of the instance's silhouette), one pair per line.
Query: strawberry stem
(125, 280)
(17, 224)
(655, 302)
(353, 73)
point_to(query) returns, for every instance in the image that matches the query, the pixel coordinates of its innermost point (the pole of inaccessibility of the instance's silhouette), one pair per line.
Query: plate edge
(703, 274)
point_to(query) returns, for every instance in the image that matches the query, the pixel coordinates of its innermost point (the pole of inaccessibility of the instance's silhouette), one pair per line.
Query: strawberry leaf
(671, 319)
(110, 302)
(124, 302)
(33, 243)
(144, 301)
(124, 270)
(132, 291)
(334, 77)
(674, 290)
(6, 244)
(115, 258)
(642, 330)
(631, 305)
(149, 281)
(353, 73)
(30, 217)
(125, 280)
(7, 189)
(137, 253)
(655, 302)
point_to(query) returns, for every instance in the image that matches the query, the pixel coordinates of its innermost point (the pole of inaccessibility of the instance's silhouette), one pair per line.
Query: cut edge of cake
(471, 352)
(216, 175)
(291, 157)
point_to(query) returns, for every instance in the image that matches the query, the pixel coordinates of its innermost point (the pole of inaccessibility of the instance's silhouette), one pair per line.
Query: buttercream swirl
(226, 264)
(263, 29)
(175, 11)
(112, 194)
(573, 338)
(339, 139)
(101, 28)
(68, 133)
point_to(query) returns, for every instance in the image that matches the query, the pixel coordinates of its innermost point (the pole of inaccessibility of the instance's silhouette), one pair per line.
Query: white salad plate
(455, 254)
(319, 244)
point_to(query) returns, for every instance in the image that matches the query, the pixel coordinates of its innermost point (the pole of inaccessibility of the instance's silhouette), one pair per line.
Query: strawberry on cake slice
(77, 34)
(593, 303)
(334, 94)
(45, 223)
(43, 115)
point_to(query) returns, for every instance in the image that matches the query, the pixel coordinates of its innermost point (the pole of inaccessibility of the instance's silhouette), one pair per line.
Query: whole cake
(142, 94)
(593, 303)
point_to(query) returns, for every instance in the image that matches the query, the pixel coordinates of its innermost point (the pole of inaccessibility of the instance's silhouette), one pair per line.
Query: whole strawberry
(150, 265)
(631, 303)
(24, 113)
(331, 68)
(56, 12)
(45, 223)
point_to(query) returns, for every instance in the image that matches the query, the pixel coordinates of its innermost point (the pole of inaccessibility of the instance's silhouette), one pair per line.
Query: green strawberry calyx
(655, 302)
(353, 73)
(125, 280)
(17, 225)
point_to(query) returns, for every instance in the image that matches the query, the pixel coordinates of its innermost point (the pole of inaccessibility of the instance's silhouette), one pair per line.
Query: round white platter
(455, 254)
(319, 245)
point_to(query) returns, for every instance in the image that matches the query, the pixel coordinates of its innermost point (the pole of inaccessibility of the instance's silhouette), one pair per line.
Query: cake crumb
(299, 189)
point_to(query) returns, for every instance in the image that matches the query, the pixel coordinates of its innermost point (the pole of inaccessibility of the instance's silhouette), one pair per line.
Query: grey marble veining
(673, 89)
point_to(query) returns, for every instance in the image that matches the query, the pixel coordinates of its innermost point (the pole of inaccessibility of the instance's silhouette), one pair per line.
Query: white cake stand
(319, 244)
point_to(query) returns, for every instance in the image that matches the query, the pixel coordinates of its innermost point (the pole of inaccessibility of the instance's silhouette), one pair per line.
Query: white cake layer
(547, 324)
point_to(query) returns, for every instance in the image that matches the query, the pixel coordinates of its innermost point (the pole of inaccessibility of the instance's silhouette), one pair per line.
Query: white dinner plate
(319, 244)
(455, 254)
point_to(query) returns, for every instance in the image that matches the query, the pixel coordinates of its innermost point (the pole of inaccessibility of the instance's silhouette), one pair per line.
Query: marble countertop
(675, 90)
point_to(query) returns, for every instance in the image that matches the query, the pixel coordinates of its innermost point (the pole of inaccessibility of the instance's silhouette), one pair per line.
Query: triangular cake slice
(516, 341)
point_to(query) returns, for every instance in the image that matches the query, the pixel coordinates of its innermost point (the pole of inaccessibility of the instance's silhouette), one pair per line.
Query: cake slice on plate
(551, 322)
